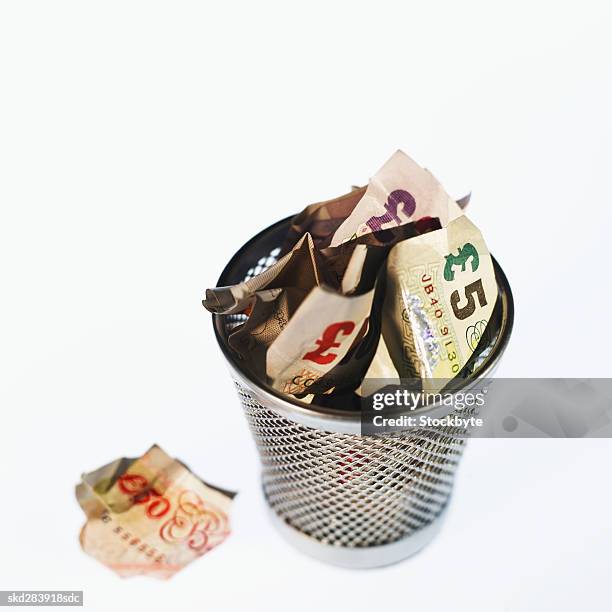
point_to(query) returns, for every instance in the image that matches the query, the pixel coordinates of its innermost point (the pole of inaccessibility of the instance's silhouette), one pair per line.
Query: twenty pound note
(401, 191)
(150, 515)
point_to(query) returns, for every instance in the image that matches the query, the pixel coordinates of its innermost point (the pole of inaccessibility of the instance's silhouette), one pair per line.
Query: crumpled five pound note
(150, 515)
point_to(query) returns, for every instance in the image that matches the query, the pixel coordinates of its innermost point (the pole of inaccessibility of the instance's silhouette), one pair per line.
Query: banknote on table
(300, 268)
(325, 327)
(150, 515)
(399, 192)
(441, 291)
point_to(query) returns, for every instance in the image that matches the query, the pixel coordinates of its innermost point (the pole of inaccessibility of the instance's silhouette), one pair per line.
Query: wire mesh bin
(352, 500)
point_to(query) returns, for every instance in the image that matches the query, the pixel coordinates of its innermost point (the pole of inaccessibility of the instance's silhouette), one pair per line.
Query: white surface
(142, 143)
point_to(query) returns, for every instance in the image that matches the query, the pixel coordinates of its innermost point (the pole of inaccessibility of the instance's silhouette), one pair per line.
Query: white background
(142, 143)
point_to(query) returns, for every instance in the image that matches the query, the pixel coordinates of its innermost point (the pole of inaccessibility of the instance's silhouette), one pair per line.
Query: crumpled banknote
(300, 268)
(150, 515)
(441, 290)
(390, 280)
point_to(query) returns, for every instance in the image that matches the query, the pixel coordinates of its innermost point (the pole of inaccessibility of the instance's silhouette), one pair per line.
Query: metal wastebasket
(351, 500)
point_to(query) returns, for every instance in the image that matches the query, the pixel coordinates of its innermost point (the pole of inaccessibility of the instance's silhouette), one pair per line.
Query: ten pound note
(150, 515)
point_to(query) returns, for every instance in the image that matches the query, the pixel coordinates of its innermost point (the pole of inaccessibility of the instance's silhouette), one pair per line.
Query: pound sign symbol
(465, 252)
(328, 341)
(396, 198)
